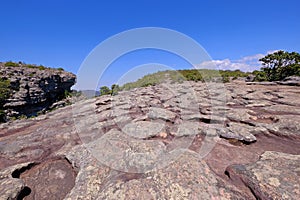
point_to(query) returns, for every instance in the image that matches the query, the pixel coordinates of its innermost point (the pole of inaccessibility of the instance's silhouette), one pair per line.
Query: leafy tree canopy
(104, 90)
(280, 64)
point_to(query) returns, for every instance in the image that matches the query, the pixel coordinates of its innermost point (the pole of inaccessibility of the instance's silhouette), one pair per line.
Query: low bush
(60, 69)
(41, 67)
(11, 64)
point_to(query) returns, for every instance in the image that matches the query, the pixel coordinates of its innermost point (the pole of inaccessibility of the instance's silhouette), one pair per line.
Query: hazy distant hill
(90, 93)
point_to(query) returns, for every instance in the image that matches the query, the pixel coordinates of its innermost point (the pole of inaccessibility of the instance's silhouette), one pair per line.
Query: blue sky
(61, 33)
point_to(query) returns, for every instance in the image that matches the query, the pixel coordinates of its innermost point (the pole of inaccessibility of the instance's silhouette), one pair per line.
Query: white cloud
(253, 57)
(272, 51)
(246, 64)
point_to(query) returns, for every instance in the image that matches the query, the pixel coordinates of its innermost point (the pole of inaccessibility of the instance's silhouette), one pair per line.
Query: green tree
(104, 90)
(260, 76)
(115, 89)
(276, 65)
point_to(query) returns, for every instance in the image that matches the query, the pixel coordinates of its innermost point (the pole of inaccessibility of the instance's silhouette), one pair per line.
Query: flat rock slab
(49, 180)
(187, 129)
(160, 113)
(143, 129)
(240, 132)
(188, 177)
(10, 188)
(274, 176)
(124, 153)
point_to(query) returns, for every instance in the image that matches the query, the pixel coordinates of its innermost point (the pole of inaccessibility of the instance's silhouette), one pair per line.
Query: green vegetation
(60, 69)
(278, 65)
(30, 66)
(4, 94)
(260, 76)
(72, 93)
(2, 116)
(115, 89)
(22, 64)
(41, 67)
(11, 64)
(104, 90)
(174, 76)
(202, 75)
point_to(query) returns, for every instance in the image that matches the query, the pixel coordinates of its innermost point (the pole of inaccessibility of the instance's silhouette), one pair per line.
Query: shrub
(41, 67)
(67, 94)
(115, 89)
(225, 79)
(22, 117)
(104, 90)
(260, 76)
(30, 66)
(11, 64)
(60, 69)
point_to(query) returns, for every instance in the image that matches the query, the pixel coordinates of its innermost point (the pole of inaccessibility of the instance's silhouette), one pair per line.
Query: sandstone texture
(170, 141)
(34, 89)
(274, 176)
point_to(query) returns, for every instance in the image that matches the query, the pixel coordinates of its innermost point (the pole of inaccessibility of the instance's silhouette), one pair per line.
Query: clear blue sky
(61, 33)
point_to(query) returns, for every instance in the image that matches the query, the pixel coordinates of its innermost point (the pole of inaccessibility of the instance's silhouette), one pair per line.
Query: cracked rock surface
(170, 141)
(33, 89)
(274, 176)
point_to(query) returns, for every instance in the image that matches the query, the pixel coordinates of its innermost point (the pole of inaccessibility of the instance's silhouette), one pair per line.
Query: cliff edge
(33, 88)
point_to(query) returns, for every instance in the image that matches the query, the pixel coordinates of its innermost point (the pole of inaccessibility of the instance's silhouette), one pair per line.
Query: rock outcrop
(274, 176)
(170, 141)
(291, 80)
(34, 88)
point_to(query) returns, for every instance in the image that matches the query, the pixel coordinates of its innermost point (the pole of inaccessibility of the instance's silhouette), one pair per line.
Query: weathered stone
(125, 153)
(10, 188)
(148, 143)
(160, 113)
(143, 129)
(274, 176)
(187, 129)
(291, 80)
(187, 178)
(34, 89)
(240, 132)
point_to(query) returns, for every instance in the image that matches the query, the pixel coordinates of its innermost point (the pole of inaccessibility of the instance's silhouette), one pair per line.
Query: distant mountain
(90, 93)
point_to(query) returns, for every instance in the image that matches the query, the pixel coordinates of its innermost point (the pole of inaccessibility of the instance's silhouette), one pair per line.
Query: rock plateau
(171, 141)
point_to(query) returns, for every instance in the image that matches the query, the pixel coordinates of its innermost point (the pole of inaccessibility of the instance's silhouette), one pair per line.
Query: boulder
(291, 80)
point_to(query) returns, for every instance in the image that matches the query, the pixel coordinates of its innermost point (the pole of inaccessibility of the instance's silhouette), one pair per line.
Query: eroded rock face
(291, 80)
(52, 179)
(274, 176)
(34, 89)
(172, 141)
